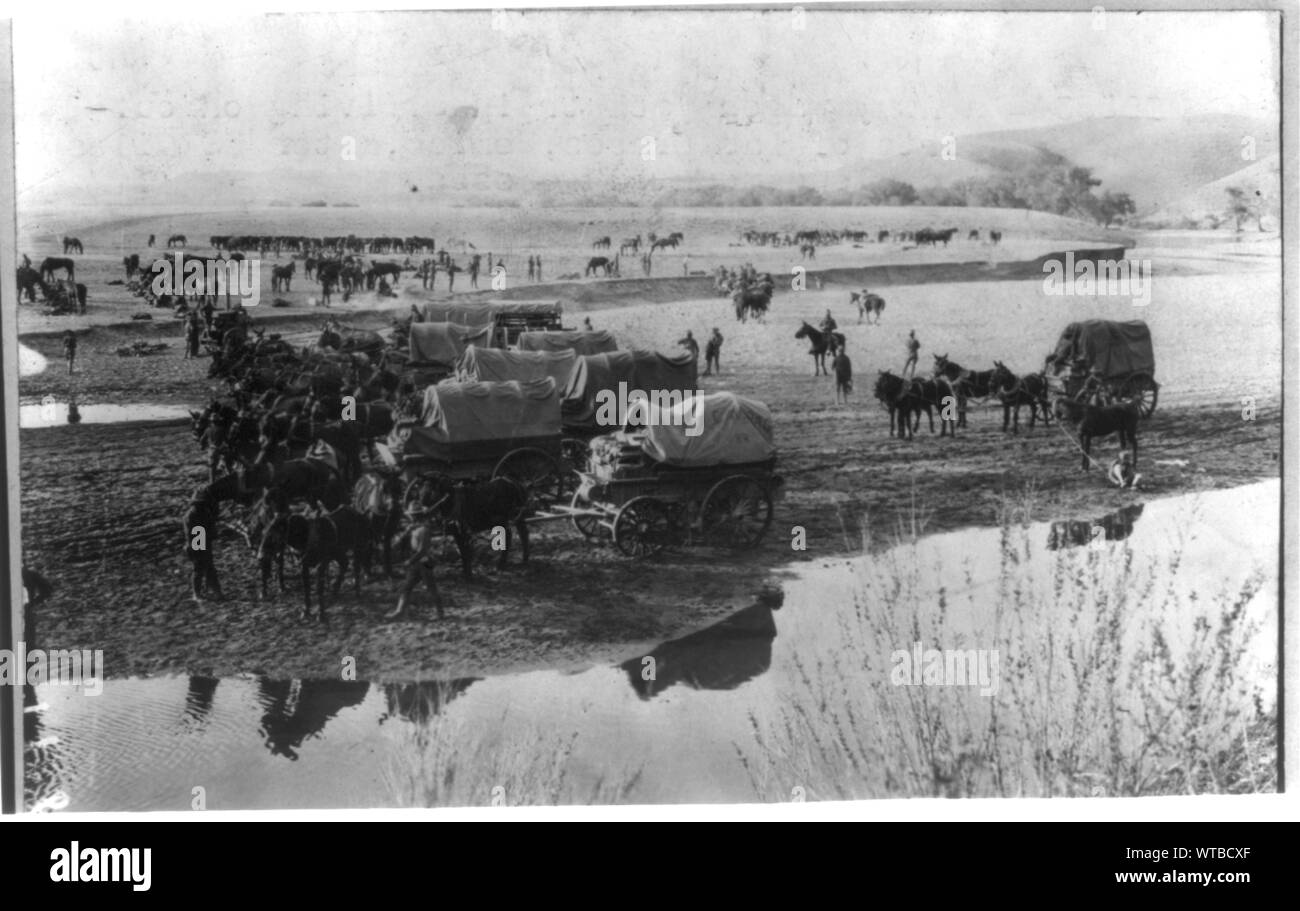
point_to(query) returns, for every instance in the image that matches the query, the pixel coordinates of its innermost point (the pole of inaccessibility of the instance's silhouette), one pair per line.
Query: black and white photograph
(643, 406)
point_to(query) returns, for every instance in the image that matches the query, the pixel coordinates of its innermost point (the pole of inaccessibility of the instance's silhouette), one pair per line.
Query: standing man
(70, 348)
(913, 350)
(686, 265)
(713, 353)
(420, 565)
(193, 332)
(539, 266)
(473, 271)
(690, 344)
(531, 271)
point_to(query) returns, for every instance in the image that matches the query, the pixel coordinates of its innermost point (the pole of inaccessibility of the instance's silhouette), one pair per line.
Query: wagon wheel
(736, 513)
(643, 527)
(588, 526)
(421, 491)
(536, 471)
(1143, 391)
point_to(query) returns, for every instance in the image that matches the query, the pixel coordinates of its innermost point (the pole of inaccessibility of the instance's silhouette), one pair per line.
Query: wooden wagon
(1103, 361)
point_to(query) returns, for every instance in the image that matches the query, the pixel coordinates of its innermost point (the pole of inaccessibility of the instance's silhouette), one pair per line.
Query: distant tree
(1238, 206)
(1114, 207)
(940, 196)
(886, 192)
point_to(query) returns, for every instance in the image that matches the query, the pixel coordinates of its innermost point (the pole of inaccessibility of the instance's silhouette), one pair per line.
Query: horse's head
(804, 330)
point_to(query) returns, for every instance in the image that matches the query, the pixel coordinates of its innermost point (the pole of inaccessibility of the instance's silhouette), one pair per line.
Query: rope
(1079, 446)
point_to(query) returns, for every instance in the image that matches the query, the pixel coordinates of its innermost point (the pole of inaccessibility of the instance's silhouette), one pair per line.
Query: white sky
(572, 94)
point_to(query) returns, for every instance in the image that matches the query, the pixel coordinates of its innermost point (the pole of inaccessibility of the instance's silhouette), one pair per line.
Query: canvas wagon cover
(474, 316)
(445, 342)
(499, 365)
(1115, 349)
(647, 371)
(580, 342)
(453, 414)
(728, 430)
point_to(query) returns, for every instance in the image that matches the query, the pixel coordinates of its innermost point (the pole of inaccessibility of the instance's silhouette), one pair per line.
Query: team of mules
(951, 386)
(287, 442)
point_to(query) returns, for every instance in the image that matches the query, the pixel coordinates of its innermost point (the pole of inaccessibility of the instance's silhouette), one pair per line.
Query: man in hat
(419, 567)
(713, 353)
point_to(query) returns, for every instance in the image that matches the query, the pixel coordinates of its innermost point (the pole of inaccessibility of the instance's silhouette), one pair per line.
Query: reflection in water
(421, 702)
(721, 657)
(298, 709)
(144, 744)
(1115, 526)
(54, 414)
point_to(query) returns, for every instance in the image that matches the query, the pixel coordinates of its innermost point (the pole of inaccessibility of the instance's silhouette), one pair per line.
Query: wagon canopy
(499, 365)
(444, 343)
(474, 316)
(648, 371)
(717, 429)
(457, 419)
(583, 343)
(1114, 349)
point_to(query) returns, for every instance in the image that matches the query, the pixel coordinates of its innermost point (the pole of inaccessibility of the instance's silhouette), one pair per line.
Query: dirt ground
(102, 504)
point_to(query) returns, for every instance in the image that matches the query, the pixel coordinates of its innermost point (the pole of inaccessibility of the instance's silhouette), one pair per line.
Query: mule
(1099, 421)
(1016, 392)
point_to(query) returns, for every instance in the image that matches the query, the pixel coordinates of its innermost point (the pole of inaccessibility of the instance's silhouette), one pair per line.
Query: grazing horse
(602, 263)
(1091, 421)
(28, 281)
(466, 508)
(967, 384)
(176, 240)
(601, 243)
(1015, 392)
(281, 276)
(995, 237)
(630, 245)
(131, 264)
(867, 304)
(52, 264)
(72, 245)
(820, 344)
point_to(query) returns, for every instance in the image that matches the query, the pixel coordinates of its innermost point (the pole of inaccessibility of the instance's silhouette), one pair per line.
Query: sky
(724, 95)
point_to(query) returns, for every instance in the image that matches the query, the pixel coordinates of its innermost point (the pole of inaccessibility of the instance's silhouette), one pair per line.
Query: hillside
(1262, 180)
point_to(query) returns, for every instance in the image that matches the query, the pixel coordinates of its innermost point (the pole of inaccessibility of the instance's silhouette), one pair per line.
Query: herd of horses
(290, 442)
(808, 240)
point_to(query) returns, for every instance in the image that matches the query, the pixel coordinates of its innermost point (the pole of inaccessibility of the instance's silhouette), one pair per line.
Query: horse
(751, 302)
(72, 245)
(601, 243)
(938, 392)
(630, 245)
(466, 508)
(891, 392)
(176, 240)
(285, 479)
(663, 243)
(52, 264)
(28, 281)
(379, 270)
(1099, 421)
(966, 384)
(289, 430)
(344, 339)
(867, 304)
(995, 237)
(131, 264)
(318, 538)
(603, 263)
(1015, 392)
(820, 343)
(281, 276)
(807, 251)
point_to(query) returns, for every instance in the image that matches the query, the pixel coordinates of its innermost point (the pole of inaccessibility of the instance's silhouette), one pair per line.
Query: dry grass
(1115, 680)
